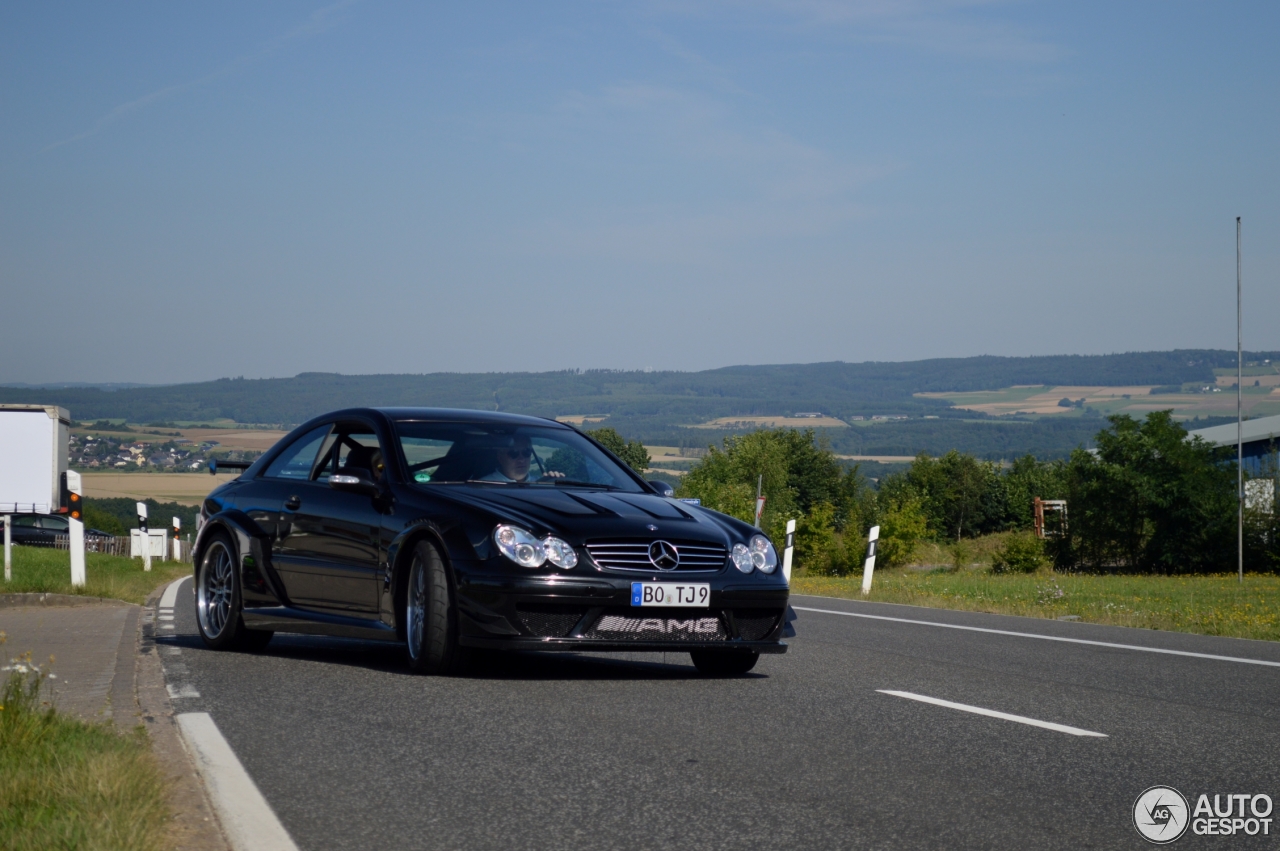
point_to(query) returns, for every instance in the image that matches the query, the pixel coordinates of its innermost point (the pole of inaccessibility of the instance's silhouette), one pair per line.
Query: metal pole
(8, 548)
(1239, 416)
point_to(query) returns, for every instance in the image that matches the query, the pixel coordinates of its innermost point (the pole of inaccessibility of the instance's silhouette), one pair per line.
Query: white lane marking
(166, 617)
(179, 692)
(991, 713)
(1047, 637)
(166, 626)
(247, 818)
(170, 595)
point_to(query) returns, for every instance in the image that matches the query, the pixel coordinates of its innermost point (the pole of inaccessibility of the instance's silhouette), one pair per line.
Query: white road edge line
(246, 817)
(991, 713)
(170, 595)
(1047, 637)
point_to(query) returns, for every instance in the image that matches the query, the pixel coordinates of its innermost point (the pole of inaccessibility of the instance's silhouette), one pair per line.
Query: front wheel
(724, 663)
(218, 601)
(431, 622)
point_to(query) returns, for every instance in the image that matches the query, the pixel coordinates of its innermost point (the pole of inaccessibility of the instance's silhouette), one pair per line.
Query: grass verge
(41, 570)
(66, 783)
(1208, 605)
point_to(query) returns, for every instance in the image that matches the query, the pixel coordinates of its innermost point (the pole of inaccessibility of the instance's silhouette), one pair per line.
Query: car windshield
(501, 454)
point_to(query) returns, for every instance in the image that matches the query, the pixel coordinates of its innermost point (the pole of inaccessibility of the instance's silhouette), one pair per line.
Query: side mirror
(348, 483)
(662, 488)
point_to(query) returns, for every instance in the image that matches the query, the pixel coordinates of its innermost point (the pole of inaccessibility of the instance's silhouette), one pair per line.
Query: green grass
(1208, 605)
(66, 783)
(41, 570)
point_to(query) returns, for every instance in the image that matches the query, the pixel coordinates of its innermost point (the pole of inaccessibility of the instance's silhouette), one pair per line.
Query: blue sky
(189, 192)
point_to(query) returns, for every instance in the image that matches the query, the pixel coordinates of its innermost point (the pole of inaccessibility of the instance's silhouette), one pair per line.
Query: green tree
(630, 451)
(1150, 500)
(1027, 479)
(903, 525)
(802, 478)
(960, 495)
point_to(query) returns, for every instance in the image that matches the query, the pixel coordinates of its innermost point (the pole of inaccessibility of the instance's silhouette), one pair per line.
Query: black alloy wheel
(431, 622)
(724, 663)
(218, 601)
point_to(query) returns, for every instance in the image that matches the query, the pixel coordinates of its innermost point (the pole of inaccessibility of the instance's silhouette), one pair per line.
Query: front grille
(754, 624)
(660, 625)
(634, 555)
(549, 621)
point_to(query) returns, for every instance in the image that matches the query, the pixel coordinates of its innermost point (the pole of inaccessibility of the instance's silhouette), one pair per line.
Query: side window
(55, 524)
(27, 520)
(353, 449)
(299, 457)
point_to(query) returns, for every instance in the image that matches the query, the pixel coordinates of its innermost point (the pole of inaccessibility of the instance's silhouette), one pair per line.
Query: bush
(903, 525)
(1021, 552)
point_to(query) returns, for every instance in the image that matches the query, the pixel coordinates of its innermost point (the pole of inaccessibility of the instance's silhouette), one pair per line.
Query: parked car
(447, 530)
(43, 530)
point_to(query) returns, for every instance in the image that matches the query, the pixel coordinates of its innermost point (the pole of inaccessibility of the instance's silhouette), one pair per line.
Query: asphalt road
(572, 751)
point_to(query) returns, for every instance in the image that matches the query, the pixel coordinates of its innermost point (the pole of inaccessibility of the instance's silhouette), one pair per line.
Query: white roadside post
(790, 548)
(177, 540)
(146, 537)
(869, 567)
(8, 548)
(75, 522)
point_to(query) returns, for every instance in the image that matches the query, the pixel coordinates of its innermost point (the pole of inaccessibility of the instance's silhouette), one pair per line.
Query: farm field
(1136, 400)
(183, 488)
(771, 422)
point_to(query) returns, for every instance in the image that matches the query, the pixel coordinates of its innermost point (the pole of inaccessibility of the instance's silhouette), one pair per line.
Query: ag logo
(1160, 814)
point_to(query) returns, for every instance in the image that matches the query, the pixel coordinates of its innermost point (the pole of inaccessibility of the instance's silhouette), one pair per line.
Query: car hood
(585, 513)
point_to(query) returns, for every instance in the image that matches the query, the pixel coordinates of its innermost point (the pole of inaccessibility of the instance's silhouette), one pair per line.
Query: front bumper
(558, 613)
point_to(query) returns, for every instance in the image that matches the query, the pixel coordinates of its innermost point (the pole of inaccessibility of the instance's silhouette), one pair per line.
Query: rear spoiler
(214, 464)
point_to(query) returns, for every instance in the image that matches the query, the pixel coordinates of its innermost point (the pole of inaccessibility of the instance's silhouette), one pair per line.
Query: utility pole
(1239, 417)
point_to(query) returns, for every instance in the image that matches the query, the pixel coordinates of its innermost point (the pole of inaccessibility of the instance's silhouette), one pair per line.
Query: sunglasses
(518, 453)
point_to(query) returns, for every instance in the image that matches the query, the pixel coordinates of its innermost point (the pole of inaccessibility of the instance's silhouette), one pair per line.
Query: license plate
(690, 594)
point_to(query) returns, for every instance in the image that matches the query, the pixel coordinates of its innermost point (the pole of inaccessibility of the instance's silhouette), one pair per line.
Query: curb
(13, 601)
(194, 825)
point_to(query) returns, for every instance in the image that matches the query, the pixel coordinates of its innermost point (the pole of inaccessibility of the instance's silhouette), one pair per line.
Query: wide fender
(260, 585)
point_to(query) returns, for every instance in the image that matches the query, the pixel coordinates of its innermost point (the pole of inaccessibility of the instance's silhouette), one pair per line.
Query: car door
(329, 543)
(263, 500)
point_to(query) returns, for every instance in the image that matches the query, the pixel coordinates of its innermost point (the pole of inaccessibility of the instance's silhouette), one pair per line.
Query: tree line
(1147, 500)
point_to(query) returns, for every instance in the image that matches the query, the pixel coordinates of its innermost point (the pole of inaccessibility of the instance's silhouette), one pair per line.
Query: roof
(465, 415)
(1251, 431)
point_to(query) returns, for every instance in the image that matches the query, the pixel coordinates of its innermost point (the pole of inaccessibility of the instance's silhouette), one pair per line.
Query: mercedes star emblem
(663, 555)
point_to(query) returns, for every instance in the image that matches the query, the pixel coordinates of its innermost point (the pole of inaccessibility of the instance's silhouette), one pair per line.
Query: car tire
(431, 621)
(724, 663)
(218, 617)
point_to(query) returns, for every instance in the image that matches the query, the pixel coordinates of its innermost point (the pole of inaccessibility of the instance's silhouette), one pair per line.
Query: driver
(513, 463)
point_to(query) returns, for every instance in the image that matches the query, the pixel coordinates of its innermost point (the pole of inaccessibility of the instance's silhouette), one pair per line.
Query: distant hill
(654, 405)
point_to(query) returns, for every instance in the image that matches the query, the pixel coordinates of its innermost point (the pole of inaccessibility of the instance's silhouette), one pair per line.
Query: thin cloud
(964, 28)
(317, 22)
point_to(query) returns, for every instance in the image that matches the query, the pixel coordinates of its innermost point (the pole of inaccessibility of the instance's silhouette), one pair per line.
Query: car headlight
(742, 558)
(527, 551)
(559, 552)
(763, 555)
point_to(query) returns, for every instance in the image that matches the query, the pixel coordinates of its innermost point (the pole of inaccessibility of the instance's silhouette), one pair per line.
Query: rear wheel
(431, 621)
(724, 663)
(218, 601)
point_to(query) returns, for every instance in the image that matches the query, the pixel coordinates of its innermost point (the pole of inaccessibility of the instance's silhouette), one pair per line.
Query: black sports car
(448, 530)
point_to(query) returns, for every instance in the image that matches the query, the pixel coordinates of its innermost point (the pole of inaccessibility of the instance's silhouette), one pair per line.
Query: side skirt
(289, 619)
